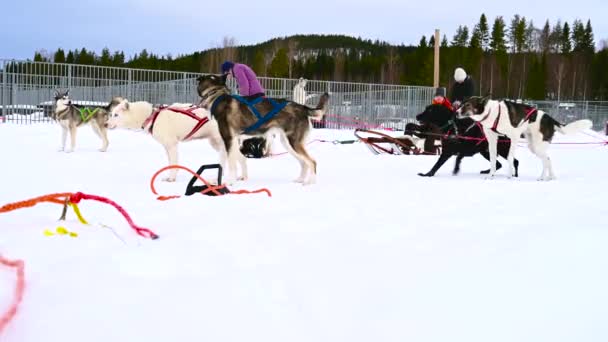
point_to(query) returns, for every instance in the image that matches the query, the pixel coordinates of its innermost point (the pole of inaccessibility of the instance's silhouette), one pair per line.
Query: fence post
(2, 101)
(69, 76)
(129, 84)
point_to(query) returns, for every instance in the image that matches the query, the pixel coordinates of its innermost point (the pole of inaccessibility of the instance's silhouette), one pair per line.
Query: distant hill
(517, 60)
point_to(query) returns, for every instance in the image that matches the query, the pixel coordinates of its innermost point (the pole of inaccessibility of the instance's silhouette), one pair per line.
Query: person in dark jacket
(463, 88)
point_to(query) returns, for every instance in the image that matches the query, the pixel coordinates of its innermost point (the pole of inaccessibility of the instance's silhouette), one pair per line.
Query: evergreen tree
(258, 64)
(578, 36)
(444, 42)
(589, 40)
(461, 38)
(475, 42)
(70, 57)
(556, 37)
(432, 41)
(545, 38)
(531, 44)
(279, 67)
(497, 40)
(423, 43)
(59, 56)
(565, 42)
(484, 32)
(38, 57)
(105, 59)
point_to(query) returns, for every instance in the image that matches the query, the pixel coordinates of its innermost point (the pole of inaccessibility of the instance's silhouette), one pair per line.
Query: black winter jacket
(461, 91)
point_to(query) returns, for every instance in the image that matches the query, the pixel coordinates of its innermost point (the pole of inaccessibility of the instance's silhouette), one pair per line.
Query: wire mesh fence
(27, 91)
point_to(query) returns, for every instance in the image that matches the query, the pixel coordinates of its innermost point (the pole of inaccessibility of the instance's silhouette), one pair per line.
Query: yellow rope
(78, 214)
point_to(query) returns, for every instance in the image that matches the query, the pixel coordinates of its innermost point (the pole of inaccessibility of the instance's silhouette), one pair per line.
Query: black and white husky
(514, 119)
(70, 117)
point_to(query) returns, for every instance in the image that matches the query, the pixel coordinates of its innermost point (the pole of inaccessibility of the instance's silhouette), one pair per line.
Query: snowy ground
(372, 252)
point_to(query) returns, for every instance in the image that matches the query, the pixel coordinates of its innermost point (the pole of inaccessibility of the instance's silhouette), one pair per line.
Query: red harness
(495, 125)
(188, 112)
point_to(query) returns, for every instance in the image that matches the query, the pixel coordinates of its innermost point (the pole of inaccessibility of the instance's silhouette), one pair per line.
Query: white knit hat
(460, 75)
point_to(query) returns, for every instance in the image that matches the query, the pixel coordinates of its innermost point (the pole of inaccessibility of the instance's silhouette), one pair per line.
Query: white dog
(169, 126)
(514, 119)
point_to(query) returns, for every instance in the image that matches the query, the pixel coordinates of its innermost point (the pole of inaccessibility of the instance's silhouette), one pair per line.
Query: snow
(372, 252)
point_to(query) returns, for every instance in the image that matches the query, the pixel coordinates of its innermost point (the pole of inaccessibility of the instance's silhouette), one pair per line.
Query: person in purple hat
(248, 83)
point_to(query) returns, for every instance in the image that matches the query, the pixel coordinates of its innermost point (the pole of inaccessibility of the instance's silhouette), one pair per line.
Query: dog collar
(216, 102)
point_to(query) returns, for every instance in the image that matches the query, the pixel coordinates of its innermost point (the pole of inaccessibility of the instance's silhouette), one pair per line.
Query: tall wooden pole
(436, 68)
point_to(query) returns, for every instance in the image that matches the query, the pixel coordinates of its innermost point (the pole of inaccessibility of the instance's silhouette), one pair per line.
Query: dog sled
(381, 143)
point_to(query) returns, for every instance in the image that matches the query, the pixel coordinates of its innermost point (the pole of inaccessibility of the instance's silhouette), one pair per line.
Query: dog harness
(188, 112)
(262, 119)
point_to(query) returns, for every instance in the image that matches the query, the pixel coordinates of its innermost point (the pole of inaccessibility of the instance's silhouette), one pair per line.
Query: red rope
(210, 188)
(77, 197)
(19, 266)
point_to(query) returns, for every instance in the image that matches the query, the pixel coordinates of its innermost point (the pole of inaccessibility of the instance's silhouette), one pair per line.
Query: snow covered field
(372, 252)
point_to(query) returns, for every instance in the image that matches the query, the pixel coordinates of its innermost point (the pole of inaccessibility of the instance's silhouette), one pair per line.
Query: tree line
(514, 59)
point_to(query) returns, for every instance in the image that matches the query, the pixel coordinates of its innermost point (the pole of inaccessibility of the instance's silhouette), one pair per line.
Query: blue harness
(262, 119)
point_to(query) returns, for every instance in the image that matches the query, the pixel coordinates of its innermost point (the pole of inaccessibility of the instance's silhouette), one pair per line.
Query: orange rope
(210, 188)
(6, 318)
(52, 198)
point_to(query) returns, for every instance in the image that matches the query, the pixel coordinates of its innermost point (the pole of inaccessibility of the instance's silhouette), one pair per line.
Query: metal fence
(27, 90)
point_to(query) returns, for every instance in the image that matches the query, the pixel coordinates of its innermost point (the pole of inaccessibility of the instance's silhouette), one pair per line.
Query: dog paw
(425, 175)
(103, 149)
(299, 180)
(308, 182)
(242, 178)
(169, 179)
(485, 172)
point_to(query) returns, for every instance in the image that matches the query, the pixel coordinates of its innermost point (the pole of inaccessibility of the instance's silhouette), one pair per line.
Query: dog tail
(574, 127)
(319, 112)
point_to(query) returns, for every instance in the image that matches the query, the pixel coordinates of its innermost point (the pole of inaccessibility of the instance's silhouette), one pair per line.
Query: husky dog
(514, 119)
(234, 117)
(170, 125)
(71, 117)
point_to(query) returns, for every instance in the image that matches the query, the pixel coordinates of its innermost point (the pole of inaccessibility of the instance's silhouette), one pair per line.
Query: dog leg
(102, 133)
(493, 149)
(511, 156)
(541, 152)
(64, 137)
(486, 155)
(243, 163)
(303, 166)
(73, 130)
(172, 158)
(233, 155)
(442, 159)
(457, 165)
(310, 163)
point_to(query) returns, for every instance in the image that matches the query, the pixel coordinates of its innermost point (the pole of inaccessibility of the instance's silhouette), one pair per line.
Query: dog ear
(224, 78)
(200, 78)
(486, 98)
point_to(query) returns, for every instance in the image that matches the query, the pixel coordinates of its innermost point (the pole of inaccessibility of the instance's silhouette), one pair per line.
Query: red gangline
(19, 266)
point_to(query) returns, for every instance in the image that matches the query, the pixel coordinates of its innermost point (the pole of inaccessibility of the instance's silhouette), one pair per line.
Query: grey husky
(238, 116)
(70, 117)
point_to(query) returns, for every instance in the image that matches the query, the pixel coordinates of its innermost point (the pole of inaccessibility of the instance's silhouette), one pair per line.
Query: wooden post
(436, 68)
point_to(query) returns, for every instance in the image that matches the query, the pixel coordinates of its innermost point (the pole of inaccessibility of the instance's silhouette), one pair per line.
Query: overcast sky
(185, 26)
